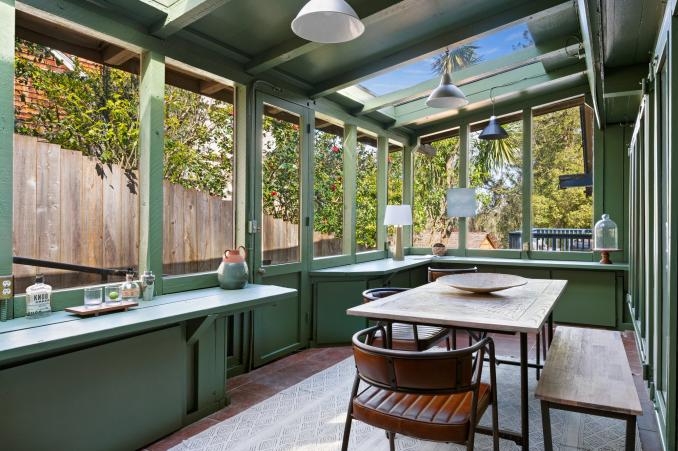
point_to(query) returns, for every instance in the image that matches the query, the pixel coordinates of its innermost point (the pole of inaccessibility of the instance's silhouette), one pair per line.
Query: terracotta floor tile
(182, 434)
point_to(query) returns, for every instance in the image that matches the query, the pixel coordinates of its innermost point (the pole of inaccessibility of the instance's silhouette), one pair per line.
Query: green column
(408, 188)
(526, 233)
(151, 146)
(382, 189)
(240, 165)
(6, 139)
(350, 167)
(463, 178)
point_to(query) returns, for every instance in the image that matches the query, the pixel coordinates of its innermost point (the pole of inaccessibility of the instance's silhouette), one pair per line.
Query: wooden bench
(587, 371)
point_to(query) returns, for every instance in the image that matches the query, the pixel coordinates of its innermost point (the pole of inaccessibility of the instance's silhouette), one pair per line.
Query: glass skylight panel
(491, 47)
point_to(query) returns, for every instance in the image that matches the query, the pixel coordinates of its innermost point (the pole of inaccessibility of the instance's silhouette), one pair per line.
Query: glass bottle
(605, 234)
(130, 290)
(38, 298)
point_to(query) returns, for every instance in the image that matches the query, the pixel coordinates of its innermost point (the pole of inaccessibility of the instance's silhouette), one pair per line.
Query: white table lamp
(398, 216)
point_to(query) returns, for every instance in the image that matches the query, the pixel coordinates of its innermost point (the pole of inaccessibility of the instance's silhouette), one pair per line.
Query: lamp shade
(493, 130)
(398, 215)
(446, 95)
(461, 202)
(327, 22)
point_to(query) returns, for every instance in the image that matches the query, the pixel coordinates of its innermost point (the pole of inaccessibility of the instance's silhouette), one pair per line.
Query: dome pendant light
(447, 95)
(493, 130)
(327, 22)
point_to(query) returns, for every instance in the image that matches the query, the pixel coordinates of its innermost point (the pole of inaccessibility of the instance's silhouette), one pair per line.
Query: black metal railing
(105, 273)
(577, 240)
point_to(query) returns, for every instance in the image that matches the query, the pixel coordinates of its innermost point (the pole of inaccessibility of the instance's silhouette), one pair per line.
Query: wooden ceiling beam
(183, 13)
(116, 56)
(459, 35)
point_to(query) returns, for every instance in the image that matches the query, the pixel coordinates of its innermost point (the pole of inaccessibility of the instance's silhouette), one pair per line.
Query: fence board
(113, 217)
(25, 240)
(71, 186)
(203, 231)
(48, 218)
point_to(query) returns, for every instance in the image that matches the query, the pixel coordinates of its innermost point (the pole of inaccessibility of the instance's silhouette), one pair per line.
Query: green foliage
(95, 111)
(328, 184)
(366, 197)
(280, 169)
(557, 151)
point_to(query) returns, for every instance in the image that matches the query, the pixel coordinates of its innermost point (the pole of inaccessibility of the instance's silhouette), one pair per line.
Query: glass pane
(280, 178)
(434, 173)
(75, 194)
(495, 172)
(328, 187)
(395, 176)
(562, 190)
(664, 364)
(198, 181)
(366, 197)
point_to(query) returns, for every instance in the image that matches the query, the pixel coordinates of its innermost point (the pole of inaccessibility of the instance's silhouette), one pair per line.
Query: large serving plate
(479, 282)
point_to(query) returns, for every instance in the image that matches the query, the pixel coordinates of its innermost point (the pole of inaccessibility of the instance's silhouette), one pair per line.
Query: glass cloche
(605, 234)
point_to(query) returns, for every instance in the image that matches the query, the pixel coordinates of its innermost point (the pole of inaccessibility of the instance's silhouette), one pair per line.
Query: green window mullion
(463, 177)
(408, 189)
(350, 168)
(527, 183)
(151, 148)
(382, 189)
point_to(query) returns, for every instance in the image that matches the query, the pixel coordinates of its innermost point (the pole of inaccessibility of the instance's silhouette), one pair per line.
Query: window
(495, 172)
(366, 192)
(395, 175)
(436, 168)
(281, 185)
(75, 194)
(198, 175)
(328, 187)
(562, 201)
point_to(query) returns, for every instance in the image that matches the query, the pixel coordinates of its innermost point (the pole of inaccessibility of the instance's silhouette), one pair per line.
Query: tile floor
(249, 389)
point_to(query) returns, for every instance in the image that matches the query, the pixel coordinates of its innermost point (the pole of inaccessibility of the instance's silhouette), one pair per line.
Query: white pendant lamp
(327, 22)
(446, 95)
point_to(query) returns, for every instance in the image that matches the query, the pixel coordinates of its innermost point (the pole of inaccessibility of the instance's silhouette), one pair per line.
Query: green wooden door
(283, 238)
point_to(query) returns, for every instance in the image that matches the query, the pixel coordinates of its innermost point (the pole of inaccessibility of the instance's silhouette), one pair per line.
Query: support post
(382, 190)
(408, 190)
(240, 165)
(151, 148)
(526, 231)
(7, 30)
(463, 177)
(350, 168)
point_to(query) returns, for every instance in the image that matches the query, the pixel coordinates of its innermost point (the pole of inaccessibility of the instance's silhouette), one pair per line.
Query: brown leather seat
(435, 273)
(427, 395)
(444, 418)
(403, 335)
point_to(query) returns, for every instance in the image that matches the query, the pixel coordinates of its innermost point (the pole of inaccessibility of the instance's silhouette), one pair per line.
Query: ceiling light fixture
(327, 22)
(493, 130)
(447, 95)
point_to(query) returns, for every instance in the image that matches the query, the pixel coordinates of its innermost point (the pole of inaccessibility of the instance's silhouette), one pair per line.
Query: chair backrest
(417, 372)
(377, 293)
(435, 273)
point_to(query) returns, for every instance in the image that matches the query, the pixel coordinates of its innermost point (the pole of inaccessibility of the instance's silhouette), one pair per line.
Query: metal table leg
(546, 425)
(524, 426)
(550, 328)
(631, 433)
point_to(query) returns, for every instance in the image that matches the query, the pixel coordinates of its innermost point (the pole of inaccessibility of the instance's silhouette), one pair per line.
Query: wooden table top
(588, 368)
(519, 309)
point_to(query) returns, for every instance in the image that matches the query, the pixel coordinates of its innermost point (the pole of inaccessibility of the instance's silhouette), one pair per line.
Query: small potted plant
(438, 249)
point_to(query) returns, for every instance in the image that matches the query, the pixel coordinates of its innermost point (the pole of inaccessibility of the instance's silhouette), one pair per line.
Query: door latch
(253, 226)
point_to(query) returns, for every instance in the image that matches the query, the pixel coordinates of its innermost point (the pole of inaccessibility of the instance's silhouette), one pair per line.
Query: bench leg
(546, 426)
(631, 433)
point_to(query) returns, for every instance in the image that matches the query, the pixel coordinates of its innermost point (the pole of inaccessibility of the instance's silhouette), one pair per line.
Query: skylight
(496, 45)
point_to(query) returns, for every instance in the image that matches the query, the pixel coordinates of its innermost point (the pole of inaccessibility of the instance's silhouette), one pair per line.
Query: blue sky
(490, 47)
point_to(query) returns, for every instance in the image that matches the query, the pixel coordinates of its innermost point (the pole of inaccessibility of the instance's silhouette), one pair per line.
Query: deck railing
(577, 240)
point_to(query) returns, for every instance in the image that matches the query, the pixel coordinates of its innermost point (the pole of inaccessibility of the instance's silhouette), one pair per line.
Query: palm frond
(455, 59)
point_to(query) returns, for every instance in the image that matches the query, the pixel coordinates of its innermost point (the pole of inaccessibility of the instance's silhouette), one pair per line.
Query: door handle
(261, 271)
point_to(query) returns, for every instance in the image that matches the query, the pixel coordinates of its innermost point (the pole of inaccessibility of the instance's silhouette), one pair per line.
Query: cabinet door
(589, 298)
(276, 330)
(332, 299)
(120, 395)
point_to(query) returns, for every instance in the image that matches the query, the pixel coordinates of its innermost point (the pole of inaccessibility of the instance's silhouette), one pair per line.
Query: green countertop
(388, 266)
(21, 336)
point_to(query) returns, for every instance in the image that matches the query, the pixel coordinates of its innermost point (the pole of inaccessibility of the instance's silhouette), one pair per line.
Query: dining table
(522, 310)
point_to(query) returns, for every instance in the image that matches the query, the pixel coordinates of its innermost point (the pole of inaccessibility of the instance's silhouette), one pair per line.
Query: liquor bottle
(38, 298)
(130, 290)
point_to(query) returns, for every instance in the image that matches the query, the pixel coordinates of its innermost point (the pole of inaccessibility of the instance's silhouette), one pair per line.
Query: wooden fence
(65, 211)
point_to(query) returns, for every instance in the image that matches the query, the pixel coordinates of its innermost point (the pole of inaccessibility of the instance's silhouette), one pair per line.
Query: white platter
(479, 282)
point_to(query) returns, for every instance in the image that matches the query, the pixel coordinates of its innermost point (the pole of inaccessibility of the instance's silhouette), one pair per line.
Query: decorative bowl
(482, 282)
(438, 249)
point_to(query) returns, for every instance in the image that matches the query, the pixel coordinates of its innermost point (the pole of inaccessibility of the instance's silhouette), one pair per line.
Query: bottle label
(129, 292)
(37, 303)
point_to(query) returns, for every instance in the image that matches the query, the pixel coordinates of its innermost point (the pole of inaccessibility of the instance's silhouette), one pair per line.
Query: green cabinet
(589, 298)
(119, 395)
(277, 330)
(331, 300)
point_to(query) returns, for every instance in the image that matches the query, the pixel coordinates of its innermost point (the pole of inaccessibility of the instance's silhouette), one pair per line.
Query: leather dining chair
(409, 337)
(435, 396)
